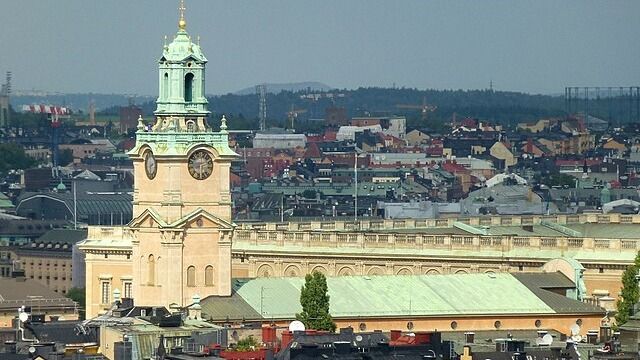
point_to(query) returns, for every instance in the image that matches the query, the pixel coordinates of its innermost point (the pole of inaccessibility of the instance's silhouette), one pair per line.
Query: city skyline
(531, 47)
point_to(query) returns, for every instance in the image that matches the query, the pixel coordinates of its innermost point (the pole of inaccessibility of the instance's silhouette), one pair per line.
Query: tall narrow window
(106, 292)
(127, 290)
(188, 87)
(191, 276)
(208, 276)
(151, 270)
(165, 86)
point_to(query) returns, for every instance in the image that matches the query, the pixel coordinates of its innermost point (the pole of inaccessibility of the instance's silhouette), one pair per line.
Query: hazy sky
(110, 46)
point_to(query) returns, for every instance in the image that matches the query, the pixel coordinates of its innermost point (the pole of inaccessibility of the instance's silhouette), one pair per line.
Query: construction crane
(292, 115)
(54, 114)
(424, 108)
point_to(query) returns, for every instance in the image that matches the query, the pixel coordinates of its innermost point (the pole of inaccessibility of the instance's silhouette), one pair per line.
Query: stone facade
(385, 247)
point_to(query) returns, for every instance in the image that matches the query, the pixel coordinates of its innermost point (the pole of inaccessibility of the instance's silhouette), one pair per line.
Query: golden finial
(182, 23)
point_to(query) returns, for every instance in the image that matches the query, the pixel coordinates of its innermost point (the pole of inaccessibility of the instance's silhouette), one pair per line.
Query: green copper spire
(181, 75)
(181, 110)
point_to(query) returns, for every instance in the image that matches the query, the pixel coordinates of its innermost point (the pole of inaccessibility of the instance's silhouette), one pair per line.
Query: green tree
(247, 344)
(12, 157)
(629, 295)
(78, 295)
(65, 157)
(314, 299)
(309, 194)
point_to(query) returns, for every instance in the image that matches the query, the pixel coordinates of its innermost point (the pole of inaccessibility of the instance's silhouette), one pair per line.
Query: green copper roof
(420, 295)
(182, 48)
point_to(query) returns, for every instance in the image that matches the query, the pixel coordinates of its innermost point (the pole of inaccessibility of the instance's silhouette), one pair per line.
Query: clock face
(200, 165)
(150, 165)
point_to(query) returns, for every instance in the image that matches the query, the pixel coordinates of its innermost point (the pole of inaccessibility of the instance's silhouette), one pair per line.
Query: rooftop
(403, 295)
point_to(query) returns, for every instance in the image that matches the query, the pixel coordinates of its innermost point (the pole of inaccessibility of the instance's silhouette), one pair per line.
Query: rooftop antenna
(261, 91)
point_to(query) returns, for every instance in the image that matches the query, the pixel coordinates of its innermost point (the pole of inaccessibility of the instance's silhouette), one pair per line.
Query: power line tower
(5, 94)
(261, 91)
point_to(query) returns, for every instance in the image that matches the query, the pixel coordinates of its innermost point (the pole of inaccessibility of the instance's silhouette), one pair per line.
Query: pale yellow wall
(115, 269)
(561, 323)
(415, 138)
(500, 151)
(174, 193)
(200, 242)
(201, 247)
(53, 272)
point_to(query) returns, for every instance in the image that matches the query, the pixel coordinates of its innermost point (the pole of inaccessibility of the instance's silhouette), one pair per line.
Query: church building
(180, 235)
(182, 243)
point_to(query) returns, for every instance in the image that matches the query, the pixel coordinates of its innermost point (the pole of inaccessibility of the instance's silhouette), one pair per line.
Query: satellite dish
(575, 329)
(358, 338)
(296, 326)
(23, 317)
(32, 350)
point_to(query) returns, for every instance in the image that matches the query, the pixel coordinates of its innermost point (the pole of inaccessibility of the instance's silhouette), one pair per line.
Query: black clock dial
(150, 165)
(200, 164)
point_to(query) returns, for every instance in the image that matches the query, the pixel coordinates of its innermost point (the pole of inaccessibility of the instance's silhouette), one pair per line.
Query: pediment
(201, 218)
(148, 219)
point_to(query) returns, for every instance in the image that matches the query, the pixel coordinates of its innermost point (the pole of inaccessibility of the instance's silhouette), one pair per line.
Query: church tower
(181, 225)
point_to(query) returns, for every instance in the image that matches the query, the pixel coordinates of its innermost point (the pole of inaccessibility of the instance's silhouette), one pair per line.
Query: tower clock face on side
(150, 165)
(200, 164)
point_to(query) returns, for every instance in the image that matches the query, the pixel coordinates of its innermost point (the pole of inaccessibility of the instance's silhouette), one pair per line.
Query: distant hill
(77, 101)
(293, 87)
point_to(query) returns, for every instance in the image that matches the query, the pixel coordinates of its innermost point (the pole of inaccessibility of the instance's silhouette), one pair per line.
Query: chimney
(605, 333)
(195, 310)
(395, 334)
(287, 337)
(269, 334)
(466, 353)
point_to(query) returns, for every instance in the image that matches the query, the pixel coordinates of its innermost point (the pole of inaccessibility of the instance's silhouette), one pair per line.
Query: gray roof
(223, 308)
(541, 285)
(63, 236)
(15, 292)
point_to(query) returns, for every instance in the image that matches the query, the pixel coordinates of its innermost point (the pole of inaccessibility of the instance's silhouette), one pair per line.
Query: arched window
(208, 276)
(151, 270)
(191, 126)
(188, 87)
(165, 86)
(191, 276)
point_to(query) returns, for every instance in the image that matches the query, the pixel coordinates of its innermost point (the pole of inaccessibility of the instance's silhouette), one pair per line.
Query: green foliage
(65, 157)
(309, 194)
(12, 157)
(314, 299)
(563, 180)
(629, 295)
(78, 295)
(247, 344)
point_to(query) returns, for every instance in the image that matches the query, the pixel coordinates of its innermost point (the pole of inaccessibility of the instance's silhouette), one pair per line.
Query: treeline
(496, 106)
